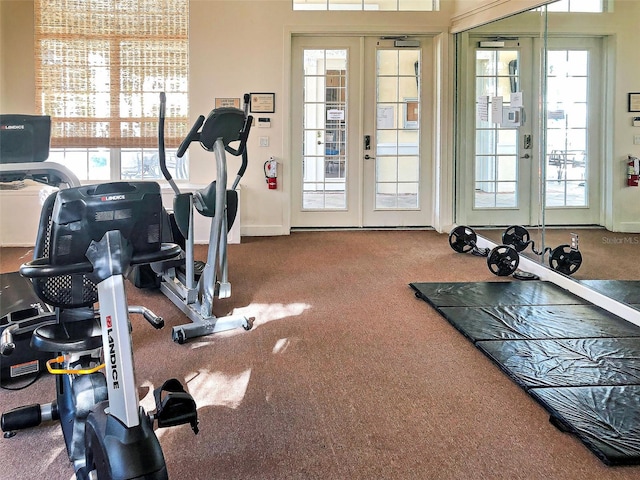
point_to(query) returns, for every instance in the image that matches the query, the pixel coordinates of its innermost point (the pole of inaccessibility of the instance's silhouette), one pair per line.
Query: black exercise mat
(567, 363)
(626, 291)
(459, 294)
(537, 322)
(514, 324)
(605, 419)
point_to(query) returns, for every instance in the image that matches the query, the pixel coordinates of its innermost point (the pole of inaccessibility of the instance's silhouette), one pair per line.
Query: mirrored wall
(541, 143)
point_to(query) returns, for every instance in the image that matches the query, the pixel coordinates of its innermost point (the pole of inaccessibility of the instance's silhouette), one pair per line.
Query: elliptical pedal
(198, 269)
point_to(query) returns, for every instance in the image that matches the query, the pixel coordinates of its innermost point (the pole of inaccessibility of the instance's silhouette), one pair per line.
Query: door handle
(526, 155)
(367, 157)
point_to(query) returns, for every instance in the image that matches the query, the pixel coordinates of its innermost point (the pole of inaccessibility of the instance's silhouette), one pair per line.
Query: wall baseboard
(263, 230)
(630, 227)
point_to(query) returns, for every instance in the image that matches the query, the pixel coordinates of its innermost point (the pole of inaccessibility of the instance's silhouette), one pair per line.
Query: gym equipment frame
(194, 294)
(88, 238)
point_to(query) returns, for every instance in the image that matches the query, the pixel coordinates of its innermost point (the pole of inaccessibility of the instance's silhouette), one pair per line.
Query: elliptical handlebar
(244, 135)
(242, 148)
(161, 152)
(245, 106)
(194, 135)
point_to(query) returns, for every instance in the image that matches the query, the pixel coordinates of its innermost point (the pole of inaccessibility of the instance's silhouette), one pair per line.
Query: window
(592, 6)
(100, 67)
(377, 5)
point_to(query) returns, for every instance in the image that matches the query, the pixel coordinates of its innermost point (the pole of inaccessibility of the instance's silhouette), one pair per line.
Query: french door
(361, 146)
(516, 158)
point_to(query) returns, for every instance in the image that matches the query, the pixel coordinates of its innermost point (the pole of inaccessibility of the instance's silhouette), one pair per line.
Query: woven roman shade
(101, 64)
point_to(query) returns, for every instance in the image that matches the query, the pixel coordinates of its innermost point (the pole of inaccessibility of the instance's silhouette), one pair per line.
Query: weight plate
(503, 260)
(522, 275)
(462, 239)
(565, 259)
(516, 236)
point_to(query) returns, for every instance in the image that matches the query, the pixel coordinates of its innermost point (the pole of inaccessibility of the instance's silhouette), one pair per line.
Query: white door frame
(592, 214)
(443, 186)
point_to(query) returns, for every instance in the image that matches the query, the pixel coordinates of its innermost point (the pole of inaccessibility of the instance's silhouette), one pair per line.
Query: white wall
(243, 46)
(623, 206)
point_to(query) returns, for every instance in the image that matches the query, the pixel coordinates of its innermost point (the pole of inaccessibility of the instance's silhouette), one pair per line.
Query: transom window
(585, 6)
(373, 5)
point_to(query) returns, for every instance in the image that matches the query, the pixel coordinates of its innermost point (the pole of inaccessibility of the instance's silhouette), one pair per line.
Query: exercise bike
(88, 239)
(192, 286)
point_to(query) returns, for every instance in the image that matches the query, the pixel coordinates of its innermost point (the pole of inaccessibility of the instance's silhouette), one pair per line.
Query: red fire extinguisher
(271, 173)
(633, 171)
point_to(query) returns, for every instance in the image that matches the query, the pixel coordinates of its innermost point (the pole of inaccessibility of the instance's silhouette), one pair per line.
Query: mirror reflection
(545, 132)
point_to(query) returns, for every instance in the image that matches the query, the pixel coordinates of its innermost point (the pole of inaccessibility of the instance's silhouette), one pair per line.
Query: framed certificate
(634, 102)
(263, 102)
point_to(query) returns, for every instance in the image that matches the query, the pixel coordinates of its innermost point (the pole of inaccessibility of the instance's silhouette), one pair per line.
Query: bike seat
(77, 336)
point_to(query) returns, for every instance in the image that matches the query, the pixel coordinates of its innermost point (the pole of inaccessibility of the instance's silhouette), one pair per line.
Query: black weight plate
(565, 259)
(462, 239)
(503, 260)
(516, 236)
(522, 275)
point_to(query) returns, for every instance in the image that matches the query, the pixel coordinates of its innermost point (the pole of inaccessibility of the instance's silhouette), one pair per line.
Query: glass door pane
(325, 143)
(496, 153)
(567, 128)
(397, 162)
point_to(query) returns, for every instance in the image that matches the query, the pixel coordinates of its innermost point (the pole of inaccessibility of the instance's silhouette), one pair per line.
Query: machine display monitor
(24, 138)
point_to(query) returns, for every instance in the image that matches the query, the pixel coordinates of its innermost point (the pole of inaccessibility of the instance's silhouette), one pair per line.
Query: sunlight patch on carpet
(264, 313)
(218, 389)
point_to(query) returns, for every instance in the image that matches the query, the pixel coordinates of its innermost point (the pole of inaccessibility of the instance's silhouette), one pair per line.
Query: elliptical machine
(88, 239)
(192, 286)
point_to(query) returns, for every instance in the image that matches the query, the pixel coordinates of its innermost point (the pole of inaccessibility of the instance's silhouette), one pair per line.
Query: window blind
(101, 64)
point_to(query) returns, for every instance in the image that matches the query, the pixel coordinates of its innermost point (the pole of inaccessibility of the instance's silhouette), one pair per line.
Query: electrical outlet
(264, 141)
(636, 139)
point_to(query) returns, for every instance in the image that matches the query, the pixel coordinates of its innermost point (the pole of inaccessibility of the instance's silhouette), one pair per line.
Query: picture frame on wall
(634, 102)
(262, 102)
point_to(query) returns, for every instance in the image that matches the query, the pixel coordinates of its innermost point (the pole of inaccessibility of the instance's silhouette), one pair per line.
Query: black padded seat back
(63, 291)
(226, 123)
